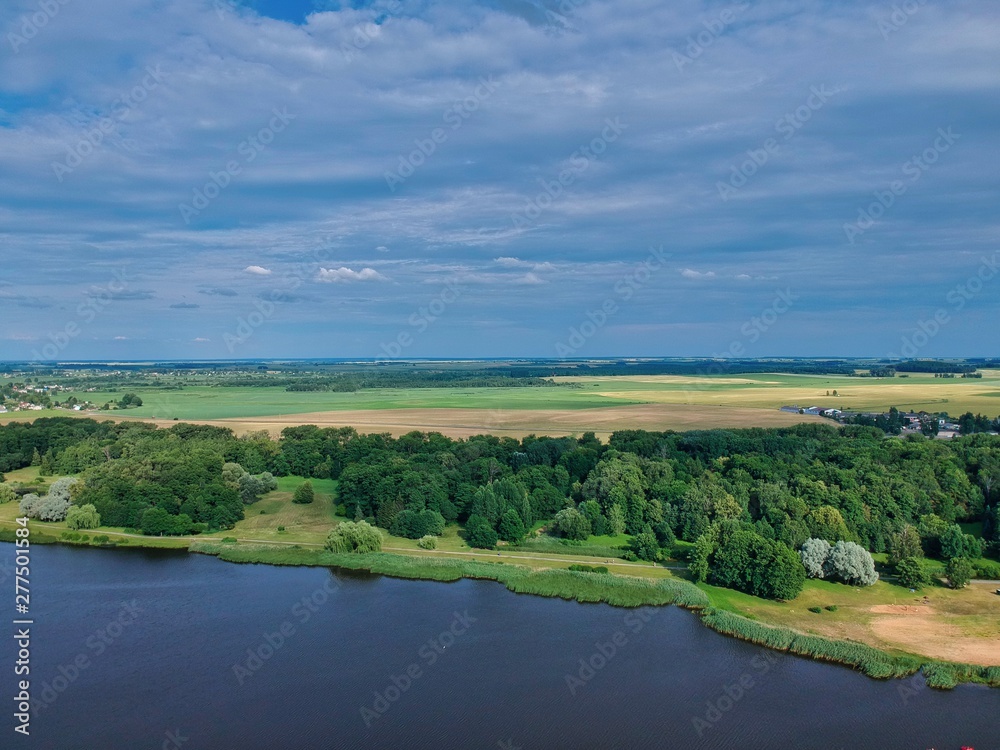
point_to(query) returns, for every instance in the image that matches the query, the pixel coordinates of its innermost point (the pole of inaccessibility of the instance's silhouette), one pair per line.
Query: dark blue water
(358, 661)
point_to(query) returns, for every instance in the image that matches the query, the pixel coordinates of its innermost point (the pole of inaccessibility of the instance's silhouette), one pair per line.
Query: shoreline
(614, 589)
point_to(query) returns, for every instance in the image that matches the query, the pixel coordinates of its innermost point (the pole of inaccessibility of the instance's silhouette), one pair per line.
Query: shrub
(817, 610)
(7, 493)
(304, 494)
(229, 540)
(281, 528)
(427, 542)
(354, 536)
(831, 608)
(959, 572)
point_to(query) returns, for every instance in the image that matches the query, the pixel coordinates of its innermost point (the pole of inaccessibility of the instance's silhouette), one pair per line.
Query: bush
(281, 528)
(959, 572)
(427, 542)
(7, 493)
(817, 610)
(589, 568)
(831, 608)
(354, 536)
(304, 494)
(229, 540)
(987, 569)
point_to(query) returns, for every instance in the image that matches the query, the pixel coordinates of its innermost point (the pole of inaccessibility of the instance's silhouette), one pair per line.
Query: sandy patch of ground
(920, 629)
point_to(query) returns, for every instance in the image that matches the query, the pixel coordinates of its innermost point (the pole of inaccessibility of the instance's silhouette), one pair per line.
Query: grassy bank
(620, 591)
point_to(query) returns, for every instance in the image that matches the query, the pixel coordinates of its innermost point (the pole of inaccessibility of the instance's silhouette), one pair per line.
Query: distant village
(28, 397)
(906, 423)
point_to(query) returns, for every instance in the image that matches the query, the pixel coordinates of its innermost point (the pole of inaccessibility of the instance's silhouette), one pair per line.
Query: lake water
(144, 649)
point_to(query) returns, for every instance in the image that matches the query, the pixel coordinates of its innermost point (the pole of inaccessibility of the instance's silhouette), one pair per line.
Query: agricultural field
(598, 404)
(917, 392)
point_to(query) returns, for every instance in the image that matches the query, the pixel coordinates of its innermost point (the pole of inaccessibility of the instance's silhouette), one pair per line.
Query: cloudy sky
(297, 178)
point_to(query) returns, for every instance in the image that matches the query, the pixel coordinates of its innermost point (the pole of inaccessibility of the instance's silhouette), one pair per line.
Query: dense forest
(750, 500)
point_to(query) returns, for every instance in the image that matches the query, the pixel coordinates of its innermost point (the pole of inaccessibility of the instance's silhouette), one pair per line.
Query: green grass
(216, 402)
(620, 591)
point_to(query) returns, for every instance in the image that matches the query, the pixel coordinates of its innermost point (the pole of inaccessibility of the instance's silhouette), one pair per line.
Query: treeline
(373, 378)
(762, 492)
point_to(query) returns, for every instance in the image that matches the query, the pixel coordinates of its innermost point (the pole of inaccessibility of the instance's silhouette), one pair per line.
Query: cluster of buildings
(910, 422)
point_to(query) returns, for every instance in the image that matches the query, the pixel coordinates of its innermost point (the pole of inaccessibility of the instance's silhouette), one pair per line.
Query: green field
(213, 402)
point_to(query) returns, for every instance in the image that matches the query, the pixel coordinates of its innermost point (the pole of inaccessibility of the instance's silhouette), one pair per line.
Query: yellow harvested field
(521, 422)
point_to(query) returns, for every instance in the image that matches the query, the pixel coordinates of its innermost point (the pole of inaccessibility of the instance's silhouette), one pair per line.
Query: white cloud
(382, 249)
(201, 340)
(689, 273)
(509, 262)
(343, 274)
(258, 270)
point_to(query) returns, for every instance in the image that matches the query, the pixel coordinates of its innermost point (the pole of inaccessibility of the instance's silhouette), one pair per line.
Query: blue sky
(212, 179)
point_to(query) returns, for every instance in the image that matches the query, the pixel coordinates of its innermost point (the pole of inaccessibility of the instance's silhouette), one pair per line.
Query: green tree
(701, 553)
(511, 527)
(571, 524)
(959, 571)
(7, 494)
(645, 546)
(904, 544)
(304, 494)
(480, 534)
(83, 517)
(912, 574)
(354, 536)
(616, 520)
